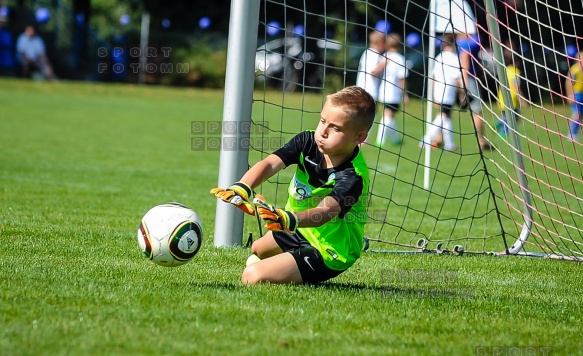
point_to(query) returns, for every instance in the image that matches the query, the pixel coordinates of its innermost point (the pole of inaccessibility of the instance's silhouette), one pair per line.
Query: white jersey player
(392, 91)
(368, 61)
(447, 86)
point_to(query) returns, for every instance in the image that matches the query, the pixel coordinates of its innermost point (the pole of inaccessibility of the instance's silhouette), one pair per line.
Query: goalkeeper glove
(238, 194)
(276, 219)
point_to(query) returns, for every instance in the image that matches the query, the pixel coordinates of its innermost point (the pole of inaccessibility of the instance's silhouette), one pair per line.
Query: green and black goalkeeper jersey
(340, 240)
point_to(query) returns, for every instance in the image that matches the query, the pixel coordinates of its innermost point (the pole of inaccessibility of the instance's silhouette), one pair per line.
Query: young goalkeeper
(319, 234)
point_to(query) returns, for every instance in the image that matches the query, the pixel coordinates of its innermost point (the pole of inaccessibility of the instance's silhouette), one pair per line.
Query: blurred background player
(31, 53)
(392, 90)
(574, 90)
(369, 60)
(447, 87)
(469, 47)
(513, 74)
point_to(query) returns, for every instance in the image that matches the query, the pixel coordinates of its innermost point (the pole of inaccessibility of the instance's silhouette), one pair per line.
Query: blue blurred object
(469, 44)
(204, 23)
(273, 28)
(438, 40)
(80, 18)
(4, 12)
(166, 23)
(125, 19)
(298, 30)
(42, 15)
(383, 26)
(7, 60)
(119, 59)
(571, 50)
(413, 39)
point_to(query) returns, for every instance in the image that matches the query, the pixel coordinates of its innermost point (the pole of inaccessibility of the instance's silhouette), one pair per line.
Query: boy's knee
(251, 275)
(254, 248)
(260, 251)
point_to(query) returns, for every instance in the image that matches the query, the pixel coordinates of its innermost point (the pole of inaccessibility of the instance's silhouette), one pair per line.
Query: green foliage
(206, 65)
(81, 163)
(106, 14)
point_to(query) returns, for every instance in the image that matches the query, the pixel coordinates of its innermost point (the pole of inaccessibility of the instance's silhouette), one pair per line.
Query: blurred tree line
(195, 31)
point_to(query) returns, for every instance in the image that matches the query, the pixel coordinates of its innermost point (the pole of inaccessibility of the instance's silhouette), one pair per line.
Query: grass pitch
(81, 163)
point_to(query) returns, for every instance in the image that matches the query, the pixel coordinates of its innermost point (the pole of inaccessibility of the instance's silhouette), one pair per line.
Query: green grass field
(81, 163)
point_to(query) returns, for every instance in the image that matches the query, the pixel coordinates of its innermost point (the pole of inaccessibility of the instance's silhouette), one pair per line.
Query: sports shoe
(433, 145)
(502, 128)
(450, 148)
(572, 137)
(486, 146)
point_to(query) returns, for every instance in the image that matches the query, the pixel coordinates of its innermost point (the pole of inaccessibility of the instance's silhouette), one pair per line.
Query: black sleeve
(290, 152)
(347, 190)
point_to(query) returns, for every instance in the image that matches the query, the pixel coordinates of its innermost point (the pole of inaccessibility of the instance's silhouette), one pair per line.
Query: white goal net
(513, 182)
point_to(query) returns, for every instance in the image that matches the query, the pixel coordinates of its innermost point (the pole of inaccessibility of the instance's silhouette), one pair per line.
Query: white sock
(391, 128)
(433, 130)
(447, 132)
(382, 132)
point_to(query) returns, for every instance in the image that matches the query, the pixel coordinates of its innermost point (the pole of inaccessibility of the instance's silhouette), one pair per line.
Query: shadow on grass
(446, 291)
(433, 291)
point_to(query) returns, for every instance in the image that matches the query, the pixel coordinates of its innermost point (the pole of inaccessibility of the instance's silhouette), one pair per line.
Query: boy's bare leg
(479, 124)
(279, 269)
(274, 266)
(266, 246)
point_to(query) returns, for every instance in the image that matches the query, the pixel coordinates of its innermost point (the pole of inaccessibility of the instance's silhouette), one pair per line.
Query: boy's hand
(276, 219)
(238, 194)
(463, 101)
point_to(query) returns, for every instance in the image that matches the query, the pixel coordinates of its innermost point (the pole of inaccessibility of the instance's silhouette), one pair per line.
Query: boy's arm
(263, 170)
(465, 65)
(327, 210)
(569, 87)
(239, 193)
(521, 98)
(379, 68)
(461, 92)
(403, 84)
(288, 221)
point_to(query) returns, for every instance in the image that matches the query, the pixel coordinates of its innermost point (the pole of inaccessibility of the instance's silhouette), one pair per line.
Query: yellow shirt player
(513, 75)
(574, 91)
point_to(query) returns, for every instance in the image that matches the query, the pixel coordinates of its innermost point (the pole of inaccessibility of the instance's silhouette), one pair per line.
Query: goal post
(523, 197)
(239, 81)
(513, 138)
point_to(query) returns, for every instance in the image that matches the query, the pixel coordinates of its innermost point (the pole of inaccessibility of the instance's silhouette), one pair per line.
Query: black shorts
(446, 109)
(394, 107)
(309, 260)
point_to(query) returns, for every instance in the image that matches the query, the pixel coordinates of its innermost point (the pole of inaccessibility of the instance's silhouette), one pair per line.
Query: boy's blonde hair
(357, 103)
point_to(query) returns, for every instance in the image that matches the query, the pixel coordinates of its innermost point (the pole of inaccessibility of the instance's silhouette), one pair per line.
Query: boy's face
(336, 133)
(381, 45)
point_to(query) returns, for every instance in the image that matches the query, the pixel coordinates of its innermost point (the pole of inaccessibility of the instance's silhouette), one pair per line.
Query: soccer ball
(170, 234)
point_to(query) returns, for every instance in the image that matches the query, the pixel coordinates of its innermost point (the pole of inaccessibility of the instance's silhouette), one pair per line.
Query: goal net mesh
(472, 197)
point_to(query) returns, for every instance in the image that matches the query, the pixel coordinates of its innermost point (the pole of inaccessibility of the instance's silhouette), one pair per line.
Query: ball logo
(184, 243)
